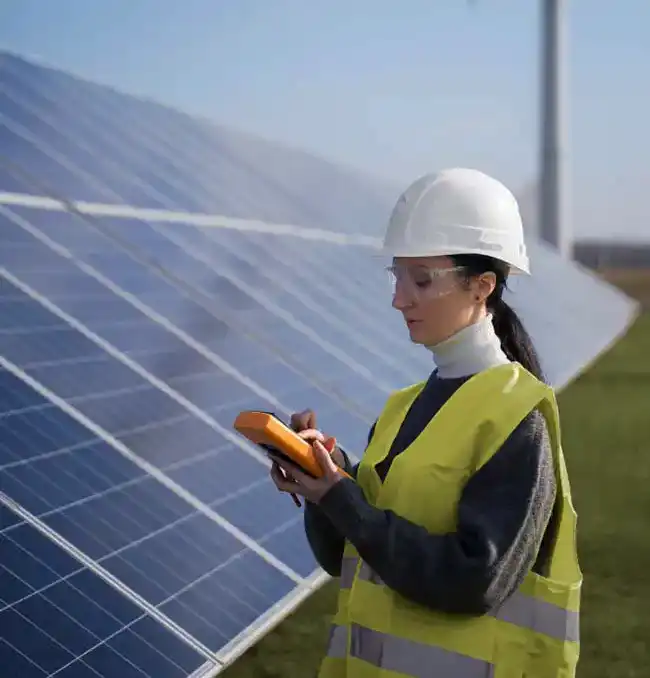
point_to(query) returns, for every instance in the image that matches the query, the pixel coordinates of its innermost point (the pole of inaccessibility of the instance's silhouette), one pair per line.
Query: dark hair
(515, 341)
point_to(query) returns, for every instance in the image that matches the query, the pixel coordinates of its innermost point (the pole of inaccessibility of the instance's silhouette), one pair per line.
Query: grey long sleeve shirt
(505, 523)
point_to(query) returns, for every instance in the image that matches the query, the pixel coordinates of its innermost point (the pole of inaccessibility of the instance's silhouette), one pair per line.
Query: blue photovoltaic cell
(85, 169)
(59, 618)
(115, 148)
(226, 251)
(62, 136)
(157, 544)
(159, 430)
(206, 270)
(174, 558)
(353, 294)
(157, 350)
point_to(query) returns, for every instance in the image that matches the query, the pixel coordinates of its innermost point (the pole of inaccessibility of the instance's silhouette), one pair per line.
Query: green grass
(606, 427)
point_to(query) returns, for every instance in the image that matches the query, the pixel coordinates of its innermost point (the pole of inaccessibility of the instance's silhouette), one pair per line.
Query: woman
(455, 542)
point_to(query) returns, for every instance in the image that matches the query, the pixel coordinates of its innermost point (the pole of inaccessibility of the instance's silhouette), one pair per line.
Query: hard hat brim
(519, 265)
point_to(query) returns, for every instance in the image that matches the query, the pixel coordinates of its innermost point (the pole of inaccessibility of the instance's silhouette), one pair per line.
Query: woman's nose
(402, 298)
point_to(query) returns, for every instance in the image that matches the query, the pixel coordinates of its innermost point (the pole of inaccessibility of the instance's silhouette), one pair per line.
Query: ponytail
(515, 340)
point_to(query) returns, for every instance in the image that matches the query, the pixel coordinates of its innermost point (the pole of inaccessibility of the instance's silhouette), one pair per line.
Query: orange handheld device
(277, 439)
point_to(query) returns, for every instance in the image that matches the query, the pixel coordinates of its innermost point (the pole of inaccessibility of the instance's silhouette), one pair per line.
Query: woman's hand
(288, 478)
(305, 423)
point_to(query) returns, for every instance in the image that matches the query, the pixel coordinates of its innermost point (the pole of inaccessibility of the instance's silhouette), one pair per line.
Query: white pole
(553, 222)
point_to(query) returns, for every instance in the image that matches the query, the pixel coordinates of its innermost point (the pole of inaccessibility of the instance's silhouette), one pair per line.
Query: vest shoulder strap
(492, 402)
(400, 399)
(504, 395)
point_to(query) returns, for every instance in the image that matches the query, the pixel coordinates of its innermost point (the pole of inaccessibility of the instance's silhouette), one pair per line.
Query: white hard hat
(457, 211)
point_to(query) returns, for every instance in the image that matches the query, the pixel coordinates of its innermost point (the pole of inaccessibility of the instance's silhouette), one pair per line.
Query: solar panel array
(143, 306)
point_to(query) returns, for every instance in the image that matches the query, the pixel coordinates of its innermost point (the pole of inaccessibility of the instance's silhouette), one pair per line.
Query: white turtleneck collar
(471, 350)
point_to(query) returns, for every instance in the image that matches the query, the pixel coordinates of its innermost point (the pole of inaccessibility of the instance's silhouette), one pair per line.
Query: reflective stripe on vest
(402, 656)
(519, 609)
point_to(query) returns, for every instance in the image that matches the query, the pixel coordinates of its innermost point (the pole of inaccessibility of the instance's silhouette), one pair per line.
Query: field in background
(636, 283)
(606, 427)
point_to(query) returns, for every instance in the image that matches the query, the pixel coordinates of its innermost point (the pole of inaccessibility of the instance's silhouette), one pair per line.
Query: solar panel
(61, 618)
(152, 285)
(96, 144)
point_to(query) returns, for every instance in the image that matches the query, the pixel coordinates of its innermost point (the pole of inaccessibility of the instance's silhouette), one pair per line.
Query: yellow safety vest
(376, 633)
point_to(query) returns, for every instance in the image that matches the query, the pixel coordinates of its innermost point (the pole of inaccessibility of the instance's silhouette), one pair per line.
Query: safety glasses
(418, 282)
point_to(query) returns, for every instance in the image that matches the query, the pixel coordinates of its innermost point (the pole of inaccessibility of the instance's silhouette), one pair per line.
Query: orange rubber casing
(276, 438)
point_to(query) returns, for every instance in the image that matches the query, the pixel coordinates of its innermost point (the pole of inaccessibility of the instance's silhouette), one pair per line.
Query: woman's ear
(483, 285)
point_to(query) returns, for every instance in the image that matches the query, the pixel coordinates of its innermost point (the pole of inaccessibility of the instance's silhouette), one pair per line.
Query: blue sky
(397, 88)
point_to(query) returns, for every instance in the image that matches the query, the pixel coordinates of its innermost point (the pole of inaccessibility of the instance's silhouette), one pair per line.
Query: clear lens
(392, 279)
(419, 281)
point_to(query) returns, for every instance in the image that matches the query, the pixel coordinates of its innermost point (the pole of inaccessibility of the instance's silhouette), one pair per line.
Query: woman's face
(435, 297)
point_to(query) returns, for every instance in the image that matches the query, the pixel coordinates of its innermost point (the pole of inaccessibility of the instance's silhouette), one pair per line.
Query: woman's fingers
(280, 479)
(329, 443)
(312, 434)
(324, 458)
(303, 420)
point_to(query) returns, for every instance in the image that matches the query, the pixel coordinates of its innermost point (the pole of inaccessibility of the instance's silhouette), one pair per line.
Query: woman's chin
(416, 333)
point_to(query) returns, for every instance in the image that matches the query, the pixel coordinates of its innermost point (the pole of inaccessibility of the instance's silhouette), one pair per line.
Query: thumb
(323, 458)
(330, 444)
